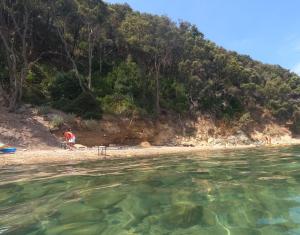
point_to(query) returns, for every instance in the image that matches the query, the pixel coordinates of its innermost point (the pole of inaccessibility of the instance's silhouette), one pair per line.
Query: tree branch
(70, 57)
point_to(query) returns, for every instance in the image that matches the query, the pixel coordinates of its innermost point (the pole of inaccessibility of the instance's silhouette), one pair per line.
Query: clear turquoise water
(237, 193)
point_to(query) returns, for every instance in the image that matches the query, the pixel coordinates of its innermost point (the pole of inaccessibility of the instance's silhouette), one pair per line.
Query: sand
(60, 156)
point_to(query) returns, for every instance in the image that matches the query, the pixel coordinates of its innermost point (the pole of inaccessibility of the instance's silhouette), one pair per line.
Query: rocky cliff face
(27, 129)
(203, 131)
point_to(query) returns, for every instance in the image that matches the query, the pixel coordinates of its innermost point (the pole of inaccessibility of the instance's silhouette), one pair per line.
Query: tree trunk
(90, 59)
(157, 66)
(157, 105)
(100, 59)
(13, 100)
(60, 34)
(17, 63)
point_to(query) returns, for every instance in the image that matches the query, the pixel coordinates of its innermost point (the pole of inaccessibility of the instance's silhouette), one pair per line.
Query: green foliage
(42, 110)
(296, 122)
(245, 120)
(85, 105)
(34, 95)
(120, 105)
(61, 104)
(57, 121)
(126, 90)
(126, 79)
(37, 82)
(64, 86)
(175, 96)
(66, 94)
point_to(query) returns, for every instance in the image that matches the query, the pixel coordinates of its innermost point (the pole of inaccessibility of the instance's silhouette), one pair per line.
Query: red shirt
(68, 135)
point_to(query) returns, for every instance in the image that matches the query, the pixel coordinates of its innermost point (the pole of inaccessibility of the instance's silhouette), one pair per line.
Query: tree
(155, 37)
(80, 41)
(67, 27)
(15, 35)
(92, 15)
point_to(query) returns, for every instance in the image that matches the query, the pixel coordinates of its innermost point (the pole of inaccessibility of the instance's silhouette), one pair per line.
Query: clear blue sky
(267, 30)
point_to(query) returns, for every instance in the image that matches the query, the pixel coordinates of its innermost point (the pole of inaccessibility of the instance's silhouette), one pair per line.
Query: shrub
(35, 90)
(70, 118)
(34, 95)
(296, 122)
(61, 104)
(64, 86)
(86, 106)
(119, 104)
(57, 121)
(126, 78)
(90, 124)
(92, 115)
(282, 113)
(42, 110)
(245, 120)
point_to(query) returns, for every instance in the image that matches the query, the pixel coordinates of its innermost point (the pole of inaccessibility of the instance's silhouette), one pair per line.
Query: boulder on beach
(145, 144)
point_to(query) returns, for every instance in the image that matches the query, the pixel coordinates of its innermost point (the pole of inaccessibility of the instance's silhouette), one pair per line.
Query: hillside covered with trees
(88, 57)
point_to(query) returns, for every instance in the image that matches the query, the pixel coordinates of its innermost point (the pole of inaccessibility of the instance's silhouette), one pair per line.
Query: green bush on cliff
(296, 122)
(64, 86)
(85, 106)
(119, 105)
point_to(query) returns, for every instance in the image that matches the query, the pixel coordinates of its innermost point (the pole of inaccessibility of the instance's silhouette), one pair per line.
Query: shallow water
(241, 192)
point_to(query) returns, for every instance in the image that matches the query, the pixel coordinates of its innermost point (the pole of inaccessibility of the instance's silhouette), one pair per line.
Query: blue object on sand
(8, 150)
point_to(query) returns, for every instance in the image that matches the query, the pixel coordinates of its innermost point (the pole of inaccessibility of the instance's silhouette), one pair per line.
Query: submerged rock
(78, 212)
(183, 215)
(77, 229)
(104, 200)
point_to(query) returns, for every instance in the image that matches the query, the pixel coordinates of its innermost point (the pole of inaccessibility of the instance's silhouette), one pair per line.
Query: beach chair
(101, 150)
(63, 145)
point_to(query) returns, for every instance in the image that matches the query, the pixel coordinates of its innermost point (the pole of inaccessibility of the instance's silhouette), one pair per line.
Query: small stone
(145, 144)
(28, 106)
(22, 109)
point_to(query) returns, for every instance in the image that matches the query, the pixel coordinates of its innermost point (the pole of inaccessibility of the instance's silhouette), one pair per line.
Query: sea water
(255, 191)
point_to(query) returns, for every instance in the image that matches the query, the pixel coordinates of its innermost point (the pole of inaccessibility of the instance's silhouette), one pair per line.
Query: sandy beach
(61, 156)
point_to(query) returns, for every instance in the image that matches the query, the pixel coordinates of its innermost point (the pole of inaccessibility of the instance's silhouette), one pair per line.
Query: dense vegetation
(88, 57)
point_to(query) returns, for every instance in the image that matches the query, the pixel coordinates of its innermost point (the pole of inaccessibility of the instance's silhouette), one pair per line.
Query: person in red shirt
(70, 138)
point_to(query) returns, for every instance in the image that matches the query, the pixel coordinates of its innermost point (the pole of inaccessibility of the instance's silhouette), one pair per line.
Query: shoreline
(57, 156)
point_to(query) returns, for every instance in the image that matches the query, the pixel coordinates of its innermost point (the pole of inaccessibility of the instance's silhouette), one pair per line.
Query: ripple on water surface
(242, 192)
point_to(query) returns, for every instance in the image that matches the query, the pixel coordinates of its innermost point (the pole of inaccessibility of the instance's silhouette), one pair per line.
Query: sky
(267, 30)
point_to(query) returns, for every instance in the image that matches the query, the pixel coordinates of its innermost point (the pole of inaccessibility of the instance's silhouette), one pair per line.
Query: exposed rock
(28, 106)
(27, 128)
(21, 110)
(242, 138)
(232, 140)
(145, 144)
(219, 141)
